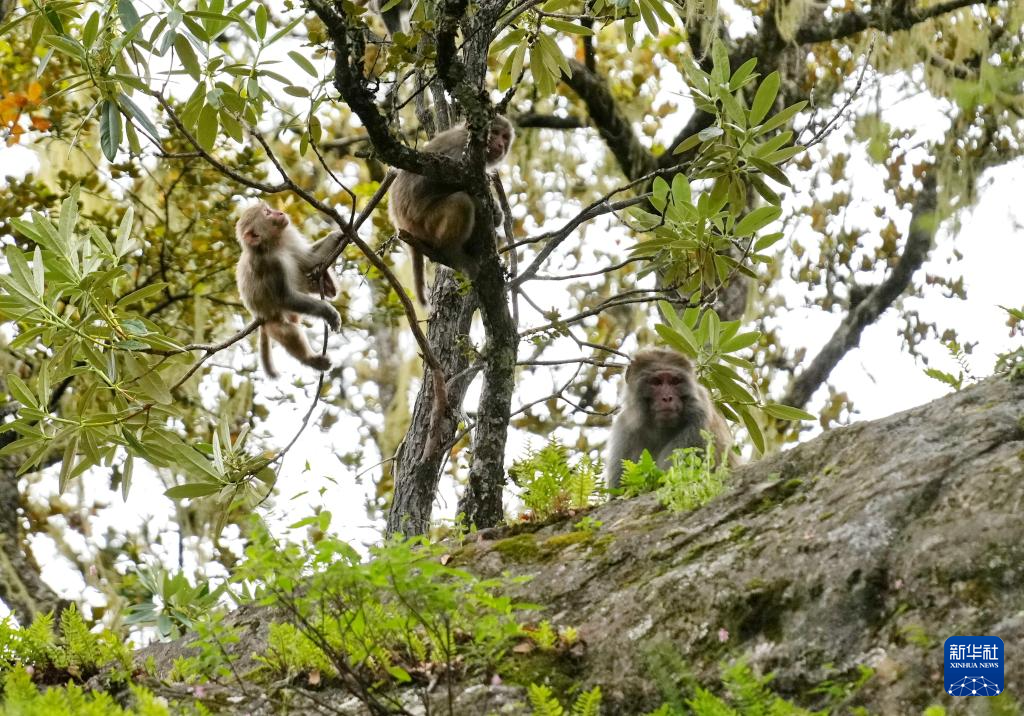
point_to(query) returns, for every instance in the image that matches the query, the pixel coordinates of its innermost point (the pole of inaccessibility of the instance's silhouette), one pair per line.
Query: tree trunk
(416, 478)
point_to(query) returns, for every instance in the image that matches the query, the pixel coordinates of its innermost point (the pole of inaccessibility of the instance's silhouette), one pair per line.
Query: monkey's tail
(266, 355)
(417, 271)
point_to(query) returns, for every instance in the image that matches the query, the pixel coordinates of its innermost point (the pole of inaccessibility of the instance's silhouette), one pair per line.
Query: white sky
(878, 375)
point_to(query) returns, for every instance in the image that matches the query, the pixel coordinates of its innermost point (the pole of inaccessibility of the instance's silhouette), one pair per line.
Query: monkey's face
(667, 394)
(274, 218)
(499, 140)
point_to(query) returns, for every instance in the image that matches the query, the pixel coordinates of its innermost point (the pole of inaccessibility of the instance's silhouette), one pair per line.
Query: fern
(543, 702)
(545, 637)
(552, 485)
(82, 646)
(588, 703)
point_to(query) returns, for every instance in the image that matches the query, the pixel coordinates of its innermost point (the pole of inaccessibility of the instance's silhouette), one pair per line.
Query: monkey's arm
(313, 259)
(321, 250)
(301, 303)
(621, 446)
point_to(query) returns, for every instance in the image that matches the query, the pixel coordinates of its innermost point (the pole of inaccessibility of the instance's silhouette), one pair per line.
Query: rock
(869, 545)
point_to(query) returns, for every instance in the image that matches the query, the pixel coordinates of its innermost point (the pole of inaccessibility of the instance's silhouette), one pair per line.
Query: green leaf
(764, 98)
(192, 489)
(720, 59)
(737, 343)
(67, 464)
(127, 470)
(399, 673)
(68, 219)
(753, 429)
(188, 57)
(110, 128)
(20, 391)
(126, 11)
(38, 272)
(757, 219)
(681, 193)
(66, 45)
(296, 91)
(781, 118)
(648, 16)
(261, 21)
(302, 62)
(138, 115)
(767, 240)
(733, 109)
(135, 327)
(687, 144)
(54, 19)
(206, 132)
(92, 27)
(710, 133)
(286, 29)
(664, 15)
(684, 342)
(785, 412)
(770, 170)
(124, 232)
(566, 26)
(766, 192)
(740, 76)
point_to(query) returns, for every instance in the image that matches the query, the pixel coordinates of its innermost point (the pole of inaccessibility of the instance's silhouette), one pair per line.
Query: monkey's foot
(320, 362)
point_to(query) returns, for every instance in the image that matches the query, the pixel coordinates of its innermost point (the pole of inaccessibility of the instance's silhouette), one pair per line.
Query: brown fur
(687, 408)
(438, 219)
(273, 276)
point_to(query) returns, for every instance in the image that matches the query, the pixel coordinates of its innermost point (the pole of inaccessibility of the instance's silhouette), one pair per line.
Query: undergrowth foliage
(401, 617)
(695, 477)
(552, 485)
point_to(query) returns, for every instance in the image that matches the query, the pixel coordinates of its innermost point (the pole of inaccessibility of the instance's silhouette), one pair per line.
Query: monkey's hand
(321, 279)
(330, 314)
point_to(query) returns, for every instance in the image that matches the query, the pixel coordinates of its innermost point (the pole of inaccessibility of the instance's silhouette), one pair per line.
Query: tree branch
(614, 127)
(923, 224)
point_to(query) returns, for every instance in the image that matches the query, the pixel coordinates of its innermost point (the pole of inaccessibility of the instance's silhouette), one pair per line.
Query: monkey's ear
(250, 238)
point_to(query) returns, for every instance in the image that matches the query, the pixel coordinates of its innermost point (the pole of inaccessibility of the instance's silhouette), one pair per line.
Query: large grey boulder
(869, 545)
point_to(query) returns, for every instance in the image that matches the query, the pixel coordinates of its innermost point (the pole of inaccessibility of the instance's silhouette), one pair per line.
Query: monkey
(438, 218)
(663, 408)
(274, 276)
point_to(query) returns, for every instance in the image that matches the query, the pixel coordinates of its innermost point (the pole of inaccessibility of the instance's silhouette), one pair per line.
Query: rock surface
(867, 546)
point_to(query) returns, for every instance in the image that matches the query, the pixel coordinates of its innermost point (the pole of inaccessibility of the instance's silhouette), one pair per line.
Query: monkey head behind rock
(663, 408)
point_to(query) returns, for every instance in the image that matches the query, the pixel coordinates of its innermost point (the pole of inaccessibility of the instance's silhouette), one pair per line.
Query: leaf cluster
(394, 618)
(694, 478)
(553, 485)
(709, 342)
(73, 652)
(545, 703)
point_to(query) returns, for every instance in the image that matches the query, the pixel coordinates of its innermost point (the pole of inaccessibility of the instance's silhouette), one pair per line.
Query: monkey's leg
(417, 275)
(301, 303)
(449, 224)
(293, 338)
(266, 354)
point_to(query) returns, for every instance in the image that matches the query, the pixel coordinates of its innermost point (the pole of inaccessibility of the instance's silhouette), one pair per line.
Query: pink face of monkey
(667, 392)
(499, 140)
(260, 224)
